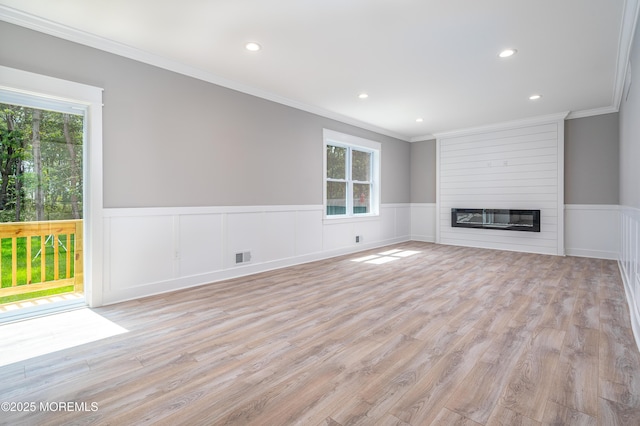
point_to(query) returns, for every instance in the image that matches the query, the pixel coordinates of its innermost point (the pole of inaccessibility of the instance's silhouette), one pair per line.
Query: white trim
(531, 121)
(337, 220)
(628, 263)
(634, 314)
(423, 238)
(150, 289)
(26, 20)
(379, 231)
(349, 142)
(569, 116)
(560, 140)
(397, 205)
(171, 211)
(91, 97)
(423, 223)
(45, 26)
(595, 254)
(438, 149)
(627, 31)
(555, 119)
(422, 138)
(614, 207)
(607, 248)
(591, 112)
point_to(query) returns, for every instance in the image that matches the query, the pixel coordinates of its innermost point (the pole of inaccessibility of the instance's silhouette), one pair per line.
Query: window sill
(328, 220)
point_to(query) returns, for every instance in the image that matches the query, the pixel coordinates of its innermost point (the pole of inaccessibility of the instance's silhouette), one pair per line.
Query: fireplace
(510, 220)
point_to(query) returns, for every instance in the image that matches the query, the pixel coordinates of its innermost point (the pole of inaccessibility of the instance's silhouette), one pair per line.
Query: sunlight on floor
(38, 336)
(386, 256)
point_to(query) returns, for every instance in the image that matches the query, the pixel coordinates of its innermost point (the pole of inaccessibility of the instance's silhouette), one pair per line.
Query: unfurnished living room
(366, 212)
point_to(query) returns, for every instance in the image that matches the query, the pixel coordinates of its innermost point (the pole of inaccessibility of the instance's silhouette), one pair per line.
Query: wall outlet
(358, 238)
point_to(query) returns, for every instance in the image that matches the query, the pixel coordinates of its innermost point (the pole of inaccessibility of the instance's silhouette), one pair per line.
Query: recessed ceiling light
(534, 97)
(363, 96)
(252, 46)
(507, 52)
(419, 120)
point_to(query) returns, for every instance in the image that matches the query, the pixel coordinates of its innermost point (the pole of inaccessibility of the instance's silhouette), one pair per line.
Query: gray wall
(171, 140)
(423, 172)
(591, 160)
(630, 133)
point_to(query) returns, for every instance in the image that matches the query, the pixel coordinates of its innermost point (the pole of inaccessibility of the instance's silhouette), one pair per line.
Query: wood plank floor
(410, 334)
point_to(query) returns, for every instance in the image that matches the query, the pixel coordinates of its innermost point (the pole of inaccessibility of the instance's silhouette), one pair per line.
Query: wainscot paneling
(509, 166)
(629, 263)
(592, 230)
(423, 222)
(155, 250)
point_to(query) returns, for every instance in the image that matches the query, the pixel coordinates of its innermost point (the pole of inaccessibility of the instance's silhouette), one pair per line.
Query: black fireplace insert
(510, 220)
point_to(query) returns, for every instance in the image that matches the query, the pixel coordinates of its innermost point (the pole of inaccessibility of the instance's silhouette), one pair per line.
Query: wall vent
(243, 257)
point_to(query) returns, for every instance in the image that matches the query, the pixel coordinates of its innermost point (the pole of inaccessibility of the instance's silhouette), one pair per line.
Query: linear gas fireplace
(510, 220)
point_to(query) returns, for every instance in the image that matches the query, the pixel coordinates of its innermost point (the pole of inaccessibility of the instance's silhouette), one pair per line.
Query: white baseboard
(424, 238)
(633, 310)
(592, 230)
(166, 286)
(595, 254)
(149, 251)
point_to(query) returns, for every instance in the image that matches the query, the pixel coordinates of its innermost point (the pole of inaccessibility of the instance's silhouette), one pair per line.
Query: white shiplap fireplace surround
(518, 165)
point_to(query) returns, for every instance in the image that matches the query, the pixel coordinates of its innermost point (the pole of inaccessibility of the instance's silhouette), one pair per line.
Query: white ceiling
(434, 59)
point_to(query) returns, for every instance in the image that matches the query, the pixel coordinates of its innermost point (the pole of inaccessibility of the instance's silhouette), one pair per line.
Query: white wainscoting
(592, 230)
(510, 166)
(630, 263)
(423, 222)
(154, 250)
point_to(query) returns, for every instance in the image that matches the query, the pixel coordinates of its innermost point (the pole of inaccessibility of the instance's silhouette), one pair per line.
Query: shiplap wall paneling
(514, 168)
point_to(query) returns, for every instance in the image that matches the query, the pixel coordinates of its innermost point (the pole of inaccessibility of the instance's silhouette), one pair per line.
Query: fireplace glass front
(510, 220)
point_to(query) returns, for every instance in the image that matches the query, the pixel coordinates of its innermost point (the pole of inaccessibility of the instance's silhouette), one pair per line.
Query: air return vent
(243, 257)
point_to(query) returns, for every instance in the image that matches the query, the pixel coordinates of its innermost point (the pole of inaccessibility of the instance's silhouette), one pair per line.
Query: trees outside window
(351, 176)
(40, 164)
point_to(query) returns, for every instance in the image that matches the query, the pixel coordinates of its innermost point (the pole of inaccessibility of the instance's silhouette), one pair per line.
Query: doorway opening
(42, 169)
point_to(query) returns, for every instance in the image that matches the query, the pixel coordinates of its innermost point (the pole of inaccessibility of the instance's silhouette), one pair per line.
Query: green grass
(35, 294)
(6, 247)
(36, 265)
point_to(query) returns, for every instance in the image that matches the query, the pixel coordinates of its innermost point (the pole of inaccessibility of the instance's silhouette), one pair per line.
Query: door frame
(91, 97)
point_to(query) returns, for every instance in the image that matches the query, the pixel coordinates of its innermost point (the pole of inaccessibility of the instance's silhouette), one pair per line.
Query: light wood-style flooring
(422, 334)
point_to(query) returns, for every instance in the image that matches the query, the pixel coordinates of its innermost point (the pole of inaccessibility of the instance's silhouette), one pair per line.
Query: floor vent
(243, 257)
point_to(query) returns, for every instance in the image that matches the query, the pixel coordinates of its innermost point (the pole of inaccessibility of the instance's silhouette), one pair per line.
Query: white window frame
(89, 98)
(333, 138)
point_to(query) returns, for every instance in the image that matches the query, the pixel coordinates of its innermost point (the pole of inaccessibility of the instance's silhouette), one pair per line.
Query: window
(351, 176)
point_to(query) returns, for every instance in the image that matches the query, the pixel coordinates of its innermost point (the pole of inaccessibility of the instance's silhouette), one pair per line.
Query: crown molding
(422, 138)
(45, 26)
(504, 125)
(629, 22)
(627, 31)
(591, 112)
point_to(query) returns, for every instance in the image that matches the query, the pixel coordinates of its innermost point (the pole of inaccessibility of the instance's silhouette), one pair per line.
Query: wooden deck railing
(60, 239)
